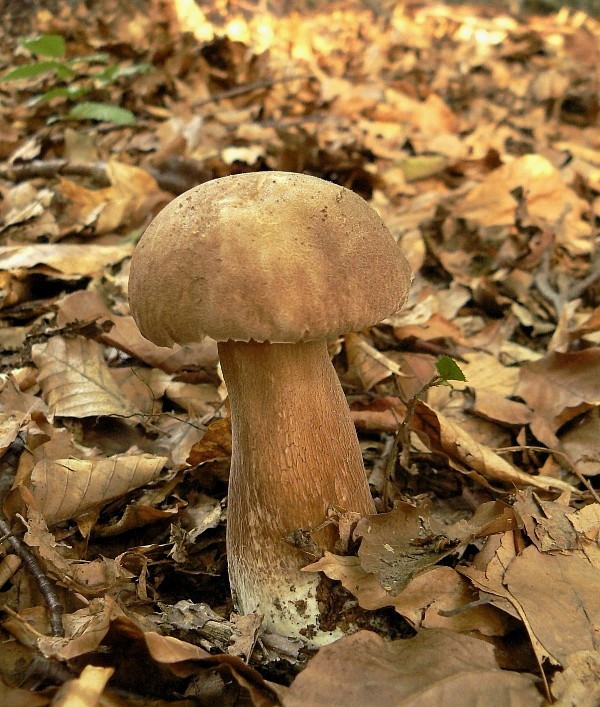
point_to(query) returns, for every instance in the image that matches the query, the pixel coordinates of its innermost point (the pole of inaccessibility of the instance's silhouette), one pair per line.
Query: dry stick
(55, 608)
(45, 586)
(48, 168)
(402, 439)
(248, 88)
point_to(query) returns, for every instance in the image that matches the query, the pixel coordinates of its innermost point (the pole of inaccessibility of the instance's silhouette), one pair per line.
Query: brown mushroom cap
(269, 256)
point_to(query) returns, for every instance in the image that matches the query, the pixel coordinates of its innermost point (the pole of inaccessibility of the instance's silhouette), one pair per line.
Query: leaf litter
(475, 135)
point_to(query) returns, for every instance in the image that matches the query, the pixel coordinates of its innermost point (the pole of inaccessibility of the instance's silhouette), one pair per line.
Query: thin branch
(52, 167)
(248, 88)
(8, 466)
(554, 453)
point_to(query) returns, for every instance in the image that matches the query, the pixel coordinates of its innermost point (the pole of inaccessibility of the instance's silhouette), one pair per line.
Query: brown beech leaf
(215, 444)
(397, 545)
(580, 443)
(17, 697)
(124, 335)
(379, 415)
(491, 202)
(494, 407)
(559, 387)
(487, 573)
(75, 379)
(10, 424)
(86, 629)
(436, 667)
(66, 488)
(438, 589)
(547, 523)
(99, 577)
(133, 194)
(579, 683)
(365, 586)
(366, 363)
(559, 596)
(443, 435)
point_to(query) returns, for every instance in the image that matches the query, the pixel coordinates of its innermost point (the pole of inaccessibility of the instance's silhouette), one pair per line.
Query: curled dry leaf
(435, 667)
(368, 364)
(436, 590)
(10, 424)
(580, 443)
(133, 193)
(87, 628)
(547, 523)
(71, 260)
(75, 379)
(125, 336)
(215, 444)
(99, 577)
(66, 488)
(441, 434)
(84, 691)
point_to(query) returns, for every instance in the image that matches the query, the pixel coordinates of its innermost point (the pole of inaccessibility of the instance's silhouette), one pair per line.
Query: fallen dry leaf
(76, 380)
(132, 195)
(559, 596)
(579, 683)
(124, 334)
(84, 691)
(70, 260)
(558, 388)
(444, 435)
(435, 667)
(492, 203)
(66, 488)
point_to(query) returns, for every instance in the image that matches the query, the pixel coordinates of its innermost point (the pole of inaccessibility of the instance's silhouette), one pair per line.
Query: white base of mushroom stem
(295, 454)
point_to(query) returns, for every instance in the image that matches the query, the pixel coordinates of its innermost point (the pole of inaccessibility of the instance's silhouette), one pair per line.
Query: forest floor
(476, 136)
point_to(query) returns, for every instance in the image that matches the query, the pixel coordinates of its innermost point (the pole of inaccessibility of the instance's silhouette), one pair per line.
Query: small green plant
(447, 371)
(73, 78)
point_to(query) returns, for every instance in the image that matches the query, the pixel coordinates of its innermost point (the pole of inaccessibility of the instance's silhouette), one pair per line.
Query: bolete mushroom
(271, 265)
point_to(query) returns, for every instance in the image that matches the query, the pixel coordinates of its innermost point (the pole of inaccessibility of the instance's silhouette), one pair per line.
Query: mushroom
(272, 265)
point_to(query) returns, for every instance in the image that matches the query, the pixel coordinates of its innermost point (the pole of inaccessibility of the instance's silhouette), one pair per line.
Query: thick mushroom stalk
(295, 453)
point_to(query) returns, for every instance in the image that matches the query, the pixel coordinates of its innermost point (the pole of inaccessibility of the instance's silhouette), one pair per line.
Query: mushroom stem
(295, 453)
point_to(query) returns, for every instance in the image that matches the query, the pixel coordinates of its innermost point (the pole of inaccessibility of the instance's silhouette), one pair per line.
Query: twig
(248, 88)
(49, 168)
(55, 608)
(554, 453)
(7, 468)
(402, 439)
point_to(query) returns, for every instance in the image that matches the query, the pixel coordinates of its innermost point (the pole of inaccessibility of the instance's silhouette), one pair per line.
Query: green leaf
(65, 72)
(90, 110)
(69, 92)
(31, 71)
(448, 369)
(113, 73)
(45, 45)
